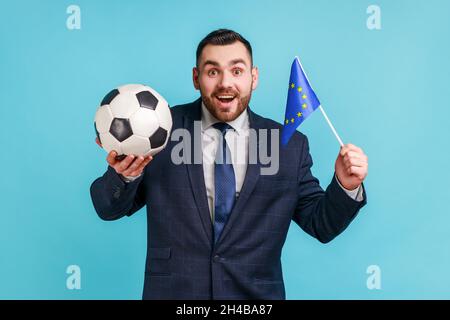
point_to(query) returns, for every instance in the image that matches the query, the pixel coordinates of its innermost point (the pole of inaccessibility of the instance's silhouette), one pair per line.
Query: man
(216, 229)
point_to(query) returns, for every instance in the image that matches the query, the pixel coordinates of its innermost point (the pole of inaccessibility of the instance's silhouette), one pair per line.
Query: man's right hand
(130, 166)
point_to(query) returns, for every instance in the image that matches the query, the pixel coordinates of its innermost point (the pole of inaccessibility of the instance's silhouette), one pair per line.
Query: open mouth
(225, 99)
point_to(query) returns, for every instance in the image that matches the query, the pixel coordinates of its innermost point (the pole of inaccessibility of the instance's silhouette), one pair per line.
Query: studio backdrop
(381, 70)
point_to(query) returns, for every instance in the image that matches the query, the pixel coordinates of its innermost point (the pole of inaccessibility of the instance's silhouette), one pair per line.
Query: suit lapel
(251, 178)
(195, 170)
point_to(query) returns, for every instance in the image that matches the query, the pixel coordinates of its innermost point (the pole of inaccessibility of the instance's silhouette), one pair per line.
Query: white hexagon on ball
(124, 105)
(144, 122)
(136, 145)
(109, 143)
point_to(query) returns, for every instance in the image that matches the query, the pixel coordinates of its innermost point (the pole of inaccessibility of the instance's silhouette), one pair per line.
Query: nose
(226, 80)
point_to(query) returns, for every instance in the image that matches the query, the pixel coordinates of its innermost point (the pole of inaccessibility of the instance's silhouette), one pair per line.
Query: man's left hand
(351, 166)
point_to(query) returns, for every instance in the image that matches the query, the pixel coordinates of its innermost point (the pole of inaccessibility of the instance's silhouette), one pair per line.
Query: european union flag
(301, 101)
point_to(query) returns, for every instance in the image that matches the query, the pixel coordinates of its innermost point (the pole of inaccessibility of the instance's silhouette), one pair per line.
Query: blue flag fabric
(301, 101)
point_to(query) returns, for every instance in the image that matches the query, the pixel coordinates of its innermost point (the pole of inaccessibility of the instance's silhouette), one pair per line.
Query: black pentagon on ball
(147, 100)
(121, 129)
(109, 97)
(120, 157)
(96, 132)
(158, 138)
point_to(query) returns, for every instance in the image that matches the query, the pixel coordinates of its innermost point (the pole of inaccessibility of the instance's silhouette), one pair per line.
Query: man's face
(226, 79)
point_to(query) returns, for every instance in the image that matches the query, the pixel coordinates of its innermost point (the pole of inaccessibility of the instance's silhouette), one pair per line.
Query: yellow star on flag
(292, 85)
(300, 89)
(299, 114)
(287, 121)
(304, 106)
(292, 120)
(304, 96)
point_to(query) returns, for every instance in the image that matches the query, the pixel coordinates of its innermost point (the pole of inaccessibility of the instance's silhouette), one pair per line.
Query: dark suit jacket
(182, 262)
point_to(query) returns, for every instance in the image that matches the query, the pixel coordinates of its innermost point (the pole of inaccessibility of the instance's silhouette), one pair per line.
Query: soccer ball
(133, 119)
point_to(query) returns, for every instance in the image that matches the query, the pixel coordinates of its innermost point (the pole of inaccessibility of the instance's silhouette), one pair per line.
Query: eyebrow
(232, 62)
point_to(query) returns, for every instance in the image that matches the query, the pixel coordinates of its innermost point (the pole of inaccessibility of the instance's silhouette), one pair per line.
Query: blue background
(385, 90)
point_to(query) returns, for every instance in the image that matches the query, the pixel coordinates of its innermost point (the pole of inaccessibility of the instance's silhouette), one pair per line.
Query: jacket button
(216, 258)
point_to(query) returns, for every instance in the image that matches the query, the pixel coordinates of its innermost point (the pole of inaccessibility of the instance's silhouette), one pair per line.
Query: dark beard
(242, 105)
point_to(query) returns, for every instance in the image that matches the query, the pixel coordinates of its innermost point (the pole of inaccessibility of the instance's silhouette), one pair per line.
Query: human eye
(237, 71)
(212, 72)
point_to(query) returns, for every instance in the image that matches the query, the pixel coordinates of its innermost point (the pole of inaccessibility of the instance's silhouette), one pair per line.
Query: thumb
(111, 159)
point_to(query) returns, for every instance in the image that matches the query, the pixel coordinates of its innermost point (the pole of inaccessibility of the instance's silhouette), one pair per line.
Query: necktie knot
(222, 127)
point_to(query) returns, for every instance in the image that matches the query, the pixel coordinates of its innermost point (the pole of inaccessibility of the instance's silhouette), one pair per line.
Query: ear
(195, 78)
(255, 77)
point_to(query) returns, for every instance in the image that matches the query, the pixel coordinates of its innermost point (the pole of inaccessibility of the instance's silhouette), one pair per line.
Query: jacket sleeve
(322, 214)
(113, 198)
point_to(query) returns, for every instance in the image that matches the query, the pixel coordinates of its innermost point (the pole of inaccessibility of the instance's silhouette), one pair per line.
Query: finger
(354, 162)
(125, 163)
(134, 165)
(351, 154)
(343, 150)
(358, 172)
(354, 148)
(111, 158)
(141, 167)
(350, 147)
(146, 161)
(354, 155)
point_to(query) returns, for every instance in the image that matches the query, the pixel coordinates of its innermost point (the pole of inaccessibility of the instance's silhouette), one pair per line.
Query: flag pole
(331, 126)
(321, 109)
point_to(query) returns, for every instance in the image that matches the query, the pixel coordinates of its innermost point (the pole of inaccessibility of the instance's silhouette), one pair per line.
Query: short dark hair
(222, 37)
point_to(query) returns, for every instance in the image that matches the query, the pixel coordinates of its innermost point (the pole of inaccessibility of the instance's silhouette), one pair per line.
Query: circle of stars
(304, 105)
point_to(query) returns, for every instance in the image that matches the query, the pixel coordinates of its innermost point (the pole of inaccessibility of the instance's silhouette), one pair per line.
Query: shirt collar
(239, 124)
